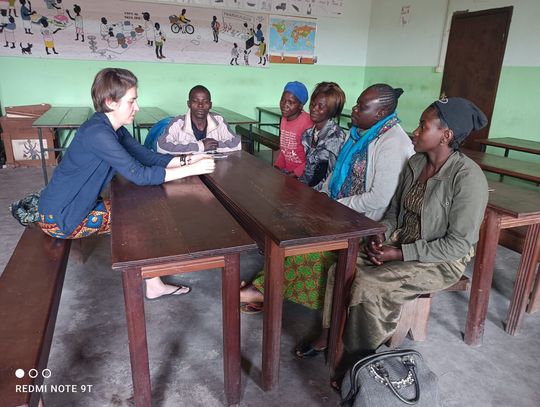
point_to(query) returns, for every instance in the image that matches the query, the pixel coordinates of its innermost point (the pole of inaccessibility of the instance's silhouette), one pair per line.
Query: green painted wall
(516, 106)
(67, 83)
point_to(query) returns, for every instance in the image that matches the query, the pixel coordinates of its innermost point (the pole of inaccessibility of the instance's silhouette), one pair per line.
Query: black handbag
(392, 378)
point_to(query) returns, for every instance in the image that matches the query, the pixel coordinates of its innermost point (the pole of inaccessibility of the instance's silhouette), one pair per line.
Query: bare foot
(250, 294)
(155, 288)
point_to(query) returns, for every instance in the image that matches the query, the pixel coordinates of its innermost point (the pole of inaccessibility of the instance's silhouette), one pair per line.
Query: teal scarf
(355, 143)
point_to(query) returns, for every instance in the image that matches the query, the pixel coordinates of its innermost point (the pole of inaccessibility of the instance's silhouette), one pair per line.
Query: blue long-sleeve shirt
(94, 156)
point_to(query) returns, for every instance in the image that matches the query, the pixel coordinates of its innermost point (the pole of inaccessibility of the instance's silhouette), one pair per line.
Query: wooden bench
(259, 136)
(415, 315)
(30, 289)
(529, 171)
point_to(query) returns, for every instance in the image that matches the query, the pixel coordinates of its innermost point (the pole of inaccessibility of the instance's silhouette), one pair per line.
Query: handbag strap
(353, 373)
(412, 369)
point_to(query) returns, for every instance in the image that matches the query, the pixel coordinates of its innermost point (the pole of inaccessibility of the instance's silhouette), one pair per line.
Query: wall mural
(119, 30)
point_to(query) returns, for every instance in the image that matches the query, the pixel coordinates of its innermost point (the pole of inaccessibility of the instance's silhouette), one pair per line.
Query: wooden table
(525, 170)
(177, 227)
(511, 143)
(59, 118)
(509, 206)
(145, 118)
(286, 218)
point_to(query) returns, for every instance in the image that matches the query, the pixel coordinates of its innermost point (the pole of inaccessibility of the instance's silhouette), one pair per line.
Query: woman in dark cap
(432, 225)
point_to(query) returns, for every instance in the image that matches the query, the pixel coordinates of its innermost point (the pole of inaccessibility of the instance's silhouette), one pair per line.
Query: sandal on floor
(251, 308)
(306, 350)
(173, 294)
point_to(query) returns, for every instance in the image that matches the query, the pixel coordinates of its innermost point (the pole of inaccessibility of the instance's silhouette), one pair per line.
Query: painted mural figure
(47, 34)
(149, 29)
(159, 40)
(26, 13)
(79, 28)
(31, 150)
(104, 28)
(61, 17)
(215, 28)
(183, 19)
(51, 4)
(246, 57)
(9, 32)
(235, 53)
(259, 34)
(262, 52)
(11, 7)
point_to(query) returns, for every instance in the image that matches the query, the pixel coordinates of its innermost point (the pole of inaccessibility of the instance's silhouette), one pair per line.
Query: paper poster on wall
(292, 40)
(116, 30)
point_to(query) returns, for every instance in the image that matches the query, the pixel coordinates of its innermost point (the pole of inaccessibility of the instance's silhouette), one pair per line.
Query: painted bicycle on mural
(177, 25)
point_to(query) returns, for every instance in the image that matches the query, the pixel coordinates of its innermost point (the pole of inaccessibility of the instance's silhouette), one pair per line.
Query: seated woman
(371, 160)
(432, 225)
(323, 141)
(70, 206)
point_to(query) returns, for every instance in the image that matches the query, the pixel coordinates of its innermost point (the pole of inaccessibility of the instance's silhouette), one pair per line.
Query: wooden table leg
(231, 327)
(524, 279)
(273, 307)
(345, 270)
(138, 348)
(482, 278)
(534, 304)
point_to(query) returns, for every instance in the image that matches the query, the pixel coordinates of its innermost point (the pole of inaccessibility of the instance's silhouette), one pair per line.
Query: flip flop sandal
(251, 308)
(306, 350)
(173, 294)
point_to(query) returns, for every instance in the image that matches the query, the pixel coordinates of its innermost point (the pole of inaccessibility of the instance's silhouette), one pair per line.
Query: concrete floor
(185, 342)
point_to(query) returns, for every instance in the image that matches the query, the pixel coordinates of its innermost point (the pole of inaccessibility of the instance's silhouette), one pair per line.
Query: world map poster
(292, 40)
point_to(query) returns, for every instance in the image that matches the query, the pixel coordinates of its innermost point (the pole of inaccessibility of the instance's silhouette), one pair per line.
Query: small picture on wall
(28, 149)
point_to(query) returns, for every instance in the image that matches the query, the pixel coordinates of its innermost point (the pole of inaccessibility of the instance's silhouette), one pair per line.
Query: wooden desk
(525, 170)
(59, 118)
(164, 230)
(511, 143)
(509, 206)
(145, 118)
(286, 217)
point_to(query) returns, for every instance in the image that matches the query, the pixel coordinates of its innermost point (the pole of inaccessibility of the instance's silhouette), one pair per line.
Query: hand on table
(210, 144)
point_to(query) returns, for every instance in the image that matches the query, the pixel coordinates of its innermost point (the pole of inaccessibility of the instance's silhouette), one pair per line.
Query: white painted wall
(344, 40)
(419, 42)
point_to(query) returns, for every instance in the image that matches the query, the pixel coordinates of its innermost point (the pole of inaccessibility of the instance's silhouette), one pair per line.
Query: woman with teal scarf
(369, 162)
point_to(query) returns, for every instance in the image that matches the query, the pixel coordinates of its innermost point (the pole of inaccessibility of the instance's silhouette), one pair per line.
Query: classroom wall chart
(119, 30)
(293, 8)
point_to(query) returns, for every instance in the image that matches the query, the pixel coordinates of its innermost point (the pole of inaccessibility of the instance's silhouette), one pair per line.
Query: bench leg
(524, 279)
(419, 326)
(231, 327)
(138, 347)
(404, 324)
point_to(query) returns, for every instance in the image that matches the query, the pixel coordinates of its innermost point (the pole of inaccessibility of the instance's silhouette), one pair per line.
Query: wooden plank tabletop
(148, 116)
(525, 170)
(232, 117)
(267, 203)
(513, 200)
(511, 143)
(179, 220)
(63, 117)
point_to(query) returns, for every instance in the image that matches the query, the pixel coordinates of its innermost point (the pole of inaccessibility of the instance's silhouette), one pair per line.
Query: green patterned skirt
(305, 278)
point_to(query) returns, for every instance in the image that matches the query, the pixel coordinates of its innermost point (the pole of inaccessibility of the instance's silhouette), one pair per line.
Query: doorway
(474, 58)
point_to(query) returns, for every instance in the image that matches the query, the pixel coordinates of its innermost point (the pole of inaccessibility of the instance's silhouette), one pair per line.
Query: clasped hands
(377, 253)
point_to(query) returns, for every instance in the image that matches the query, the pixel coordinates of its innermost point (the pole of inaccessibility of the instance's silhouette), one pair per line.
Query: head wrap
(298, 89)
(461, 116)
